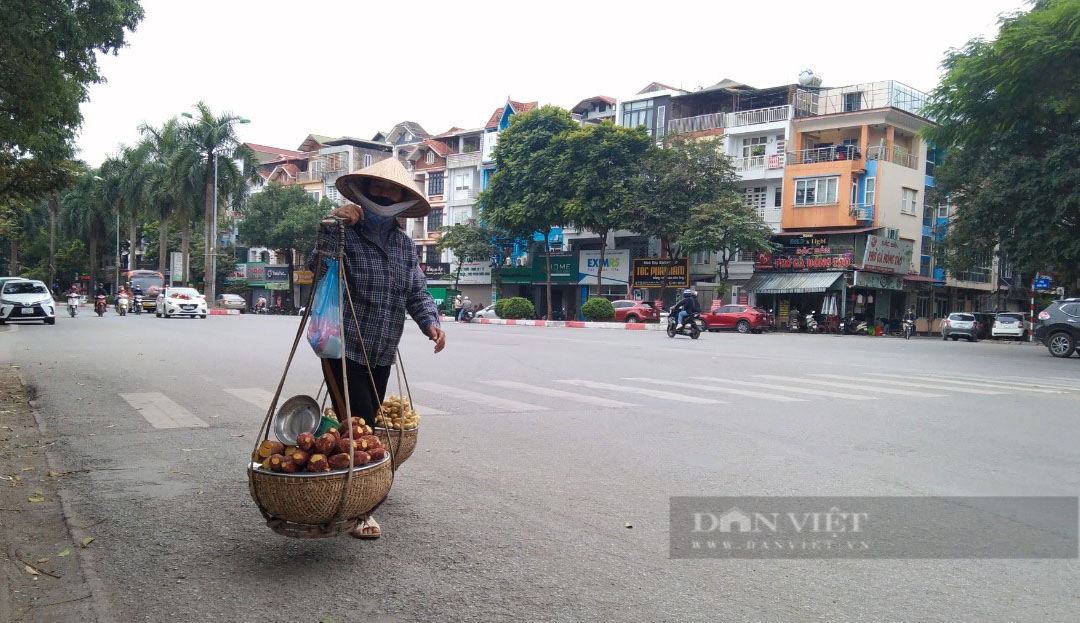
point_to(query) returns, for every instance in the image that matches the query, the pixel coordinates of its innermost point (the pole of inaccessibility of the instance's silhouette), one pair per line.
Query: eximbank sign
(616, 267)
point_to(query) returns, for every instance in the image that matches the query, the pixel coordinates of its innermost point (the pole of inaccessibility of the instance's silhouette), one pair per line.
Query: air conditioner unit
(892, 233)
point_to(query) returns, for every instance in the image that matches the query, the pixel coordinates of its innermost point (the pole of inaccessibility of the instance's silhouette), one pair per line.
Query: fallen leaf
(43, 560)
(55, 474)
(36, 498)
(240, 435)
(28, 469)
(63, 554)
(87, 541)
(31, 570)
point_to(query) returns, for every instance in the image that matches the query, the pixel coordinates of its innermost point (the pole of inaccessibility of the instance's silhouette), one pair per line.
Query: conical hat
(390, 170)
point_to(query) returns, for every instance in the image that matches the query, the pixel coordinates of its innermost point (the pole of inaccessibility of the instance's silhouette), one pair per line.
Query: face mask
(380, 213)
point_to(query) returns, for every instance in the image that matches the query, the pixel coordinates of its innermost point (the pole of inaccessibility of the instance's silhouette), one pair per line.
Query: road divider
(566, 324)
(224, 312)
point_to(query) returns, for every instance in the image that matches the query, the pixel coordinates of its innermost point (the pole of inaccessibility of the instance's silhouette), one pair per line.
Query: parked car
(1009, 324)
(635, 311)
(960, 325)
(26, 300)
(231, 301)
(487, 312)
(1059, 327)
(985, 324)
(177, 302)
(742, 318)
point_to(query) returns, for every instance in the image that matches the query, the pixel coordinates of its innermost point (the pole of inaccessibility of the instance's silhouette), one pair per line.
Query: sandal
(366, 529)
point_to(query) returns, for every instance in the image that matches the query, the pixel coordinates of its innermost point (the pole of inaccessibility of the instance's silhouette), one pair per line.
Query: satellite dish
(808, 78)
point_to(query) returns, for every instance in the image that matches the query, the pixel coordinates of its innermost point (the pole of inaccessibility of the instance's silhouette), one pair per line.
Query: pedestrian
(457, 307)
(384, 282)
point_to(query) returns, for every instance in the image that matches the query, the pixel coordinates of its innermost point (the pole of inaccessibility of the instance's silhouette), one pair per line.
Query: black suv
(1059, 327)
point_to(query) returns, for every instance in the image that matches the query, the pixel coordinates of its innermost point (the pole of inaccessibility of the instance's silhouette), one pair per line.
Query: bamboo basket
(400, 443)
(313, 498)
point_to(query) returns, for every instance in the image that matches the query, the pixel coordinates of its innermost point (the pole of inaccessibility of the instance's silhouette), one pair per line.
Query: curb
(569, 324)
(224, 312)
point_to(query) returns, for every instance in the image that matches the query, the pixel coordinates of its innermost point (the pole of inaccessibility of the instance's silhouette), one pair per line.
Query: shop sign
(475, 273)
(657, 272)
(888, 255)
(806, 254)
(277, 285)
(564, 269)
(616, 267)
(303, 277)
(878, 281)
(435, 271)
(237, 276)
(277, 272)
(516, 274)
(256, 273)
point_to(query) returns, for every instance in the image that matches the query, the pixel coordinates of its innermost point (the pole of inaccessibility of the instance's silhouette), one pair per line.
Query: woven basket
(403, 443)
(313, 499)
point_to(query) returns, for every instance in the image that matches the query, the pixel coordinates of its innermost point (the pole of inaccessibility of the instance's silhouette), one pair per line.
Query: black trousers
(364, 403)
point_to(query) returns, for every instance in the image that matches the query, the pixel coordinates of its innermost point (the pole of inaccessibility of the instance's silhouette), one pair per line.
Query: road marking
(851, 384)
(422, 410)
(484, 399)
(964, 390)
(161, 412)
(255, 395)
(558, 393)
(787, 388)
(1027, 380)
(989, 384)
(722, 390)
(644, 392)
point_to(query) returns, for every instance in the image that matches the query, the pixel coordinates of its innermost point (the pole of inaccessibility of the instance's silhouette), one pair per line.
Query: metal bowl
(299, 414)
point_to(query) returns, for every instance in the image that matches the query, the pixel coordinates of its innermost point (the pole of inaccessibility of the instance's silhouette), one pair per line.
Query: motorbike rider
(910, 315)
(260, 305)
(688, 306)
(466, 305)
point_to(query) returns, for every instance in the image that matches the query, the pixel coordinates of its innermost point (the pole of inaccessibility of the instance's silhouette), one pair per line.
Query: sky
(355, 67)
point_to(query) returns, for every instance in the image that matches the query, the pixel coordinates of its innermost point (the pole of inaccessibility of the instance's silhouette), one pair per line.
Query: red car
(635, 311)
(742, 318)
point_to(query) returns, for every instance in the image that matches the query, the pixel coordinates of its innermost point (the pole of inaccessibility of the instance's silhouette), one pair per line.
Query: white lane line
(423, 410)
(1026, 380)
(788, 388)
(161, 412)
(558, 393)
(491, 401)
(987, 384)
(644, 392)
(938, 387)
(721, 390)
(1062, 378)
(254, 395)
(850, 385)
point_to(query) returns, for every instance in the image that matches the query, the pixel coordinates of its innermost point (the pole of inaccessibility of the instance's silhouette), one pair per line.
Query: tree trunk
(93, 242)
(600, 268)
(163, 243)
(13, 259)
(547, 256)
(133, 235)
(665, 250)
(211, 217)
(54, 210)
(185, 250)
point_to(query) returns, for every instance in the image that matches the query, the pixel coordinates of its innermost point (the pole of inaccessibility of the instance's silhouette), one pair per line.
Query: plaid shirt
(383, 286)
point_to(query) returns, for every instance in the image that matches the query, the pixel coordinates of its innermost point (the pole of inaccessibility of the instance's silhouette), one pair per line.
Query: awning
(921, 278)
(792, 283)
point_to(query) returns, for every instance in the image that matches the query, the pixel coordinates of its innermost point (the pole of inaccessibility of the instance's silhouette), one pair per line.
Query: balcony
(310, 176)
(459, 161)
(856, 97)
(720, 120)
(759, 163)
(898, 156)
(824, 154)
(863, 213)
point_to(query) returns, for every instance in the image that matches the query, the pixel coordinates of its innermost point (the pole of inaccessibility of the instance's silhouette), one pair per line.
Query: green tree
(49, 50)
(727, 227)
(469, 242)
(283, 218)
(163, 184)
(86, 214)
(527, 194)
(1008, 116)
(601, 164)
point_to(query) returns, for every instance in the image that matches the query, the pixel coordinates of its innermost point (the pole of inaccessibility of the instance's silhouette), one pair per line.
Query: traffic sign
(1042, 283)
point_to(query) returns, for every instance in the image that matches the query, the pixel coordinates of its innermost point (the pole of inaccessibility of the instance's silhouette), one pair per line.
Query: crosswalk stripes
(161, 412)
(963, 390)
(1029, 381)
(989, 384)
(788, 388)
(254, 395)
(504, 404)
(850, 384)
(655, 393)
(558, 393)
(721, 390)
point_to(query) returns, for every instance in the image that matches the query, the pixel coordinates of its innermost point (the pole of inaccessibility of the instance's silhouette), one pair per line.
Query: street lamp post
(210, 263)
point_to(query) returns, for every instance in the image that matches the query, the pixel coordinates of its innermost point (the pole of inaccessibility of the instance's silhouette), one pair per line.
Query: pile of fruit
(396, 412)
(327, 452)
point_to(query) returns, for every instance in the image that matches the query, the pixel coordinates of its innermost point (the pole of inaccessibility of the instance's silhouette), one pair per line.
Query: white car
(487, 312)
(23, 300)
(177, 302)
(1009, 325)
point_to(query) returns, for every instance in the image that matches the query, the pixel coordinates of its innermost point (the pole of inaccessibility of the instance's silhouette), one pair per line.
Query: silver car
(960, 325)
(487, 312)
(231, 301)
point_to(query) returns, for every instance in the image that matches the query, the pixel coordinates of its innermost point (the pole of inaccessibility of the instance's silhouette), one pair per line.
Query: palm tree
(162, 193)
(85, 213)
(134, 176)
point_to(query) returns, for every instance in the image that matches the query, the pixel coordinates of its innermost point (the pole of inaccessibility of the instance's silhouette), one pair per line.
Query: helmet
(687, 293)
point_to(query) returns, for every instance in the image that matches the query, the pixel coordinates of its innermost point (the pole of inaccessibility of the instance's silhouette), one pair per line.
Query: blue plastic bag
(324, 325)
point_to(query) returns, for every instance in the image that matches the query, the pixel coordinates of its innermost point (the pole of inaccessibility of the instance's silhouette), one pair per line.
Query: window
(854, 193)
(661, 116)
(463, 180)
(754, 146)
(434, 219)
(781, 143)
(924, 266)
(778, 197)
(927, 245)
(943, 210)
(980, 270)
(314, 194)
(930, 160)
(367, 160)
(754, 197)
(816, 191)
(700, 257)
(871, 190)
(928, 217)
(852, 101)
(1072, 309)
(747, 256)
(638, 113)
(435, 183)
(332, 193)
(429, 158)
(907, 200)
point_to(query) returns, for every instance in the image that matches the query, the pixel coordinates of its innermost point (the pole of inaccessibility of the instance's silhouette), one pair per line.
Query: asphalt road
(534, 494)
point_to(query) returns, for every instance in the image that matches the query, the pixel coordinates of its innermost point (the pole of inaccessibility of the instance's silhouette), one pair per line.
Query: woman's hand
(350, 213)
(435, 334)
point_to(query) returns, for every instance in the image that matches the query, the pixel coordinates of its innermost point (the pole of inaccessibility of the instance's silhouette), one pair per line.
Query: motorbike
(691, 326)
(909, 328)
(811, 323)
(467, 315)
(793, 323)
(100, 305)
(851, 326)
(73, 305)
(138, 303)
(122, 303)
